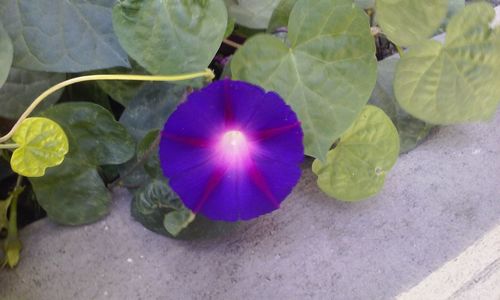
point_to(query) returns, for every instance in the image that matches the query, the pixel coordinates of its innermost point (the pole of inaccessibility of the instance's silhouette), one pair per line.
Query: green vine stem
(208, 74)
(12, 245)
(9, 146)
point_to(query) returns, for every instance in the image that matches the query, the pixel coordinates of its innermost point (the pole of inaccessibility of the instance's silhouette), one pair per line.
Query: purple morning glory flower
(232, 151)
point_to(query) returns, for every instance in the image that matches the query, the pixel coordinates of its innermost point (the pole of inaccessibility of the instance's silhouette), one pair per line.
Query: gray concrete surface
(432, 233)
(439, 200)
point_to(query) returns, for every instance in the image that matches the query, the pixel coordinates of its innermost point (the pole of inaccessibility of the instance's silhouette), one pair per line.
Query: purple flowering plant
(207, 111)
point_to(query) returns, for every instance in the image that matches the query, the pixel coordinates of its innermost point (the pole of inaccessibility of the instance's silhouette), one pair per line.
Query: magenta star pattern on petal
(232, 151)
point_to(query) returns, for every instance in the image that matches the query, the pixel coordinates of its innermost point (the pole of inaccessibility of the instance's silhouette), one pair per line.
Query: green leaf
(171, 37)
(22, 87)
(94, 132)
(42, 144)
(6, 55)
(229, 27)
(357, 167)
(281, 15)
(454, 7)
(176, 221)
(458, 81)
(408, 22)
(326, 75)
(159, 209)
(74, 193)
(252, 13)
(122, 91)
(148, 150)
(62, 35)
(151, 107)
(154, 204)
(411, 130)
(145, 114)
(365, 4)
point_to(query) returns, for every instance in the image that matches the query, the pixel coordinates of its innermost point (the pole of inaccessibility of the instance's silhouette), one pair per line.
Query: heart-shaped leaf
(326, 75)
(74, 193)
(407, 22)
(171, 36)
(94, 132)
(357, 167)
(6, 55)
(252, 13)
(22, 87)
(458, 81)
(62, 35)
(42, 144)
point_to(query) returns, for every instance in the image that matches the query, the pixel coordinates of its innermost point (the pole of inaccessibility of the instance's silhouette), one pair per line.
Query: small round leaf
(42, 144)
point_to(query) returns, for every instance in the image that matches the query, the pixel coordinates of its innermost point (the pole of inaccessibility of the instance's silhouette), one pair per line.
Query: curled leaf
(175, 221)
(42, 144)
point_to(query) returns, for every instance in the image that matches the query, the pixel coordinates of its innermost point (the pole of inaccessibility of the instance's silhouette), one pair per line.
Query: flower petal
(232, 151)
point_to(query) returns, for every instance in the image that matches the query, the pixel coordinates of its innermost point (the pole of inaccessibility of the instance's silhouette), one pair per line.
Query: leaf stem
(209, 74)
(18, 189)
(9, 146)
(232, 44)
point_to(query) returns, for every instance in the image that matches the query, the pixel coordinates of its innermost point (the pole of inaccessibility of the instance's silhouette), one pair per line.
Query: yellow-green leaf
(367, 151)
(408, 22)
(42, 144)
(457, 81)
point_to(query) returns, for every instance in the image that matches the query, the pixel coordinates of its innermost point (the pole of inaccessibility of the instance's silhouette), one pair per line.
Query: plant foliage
(319, 56)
